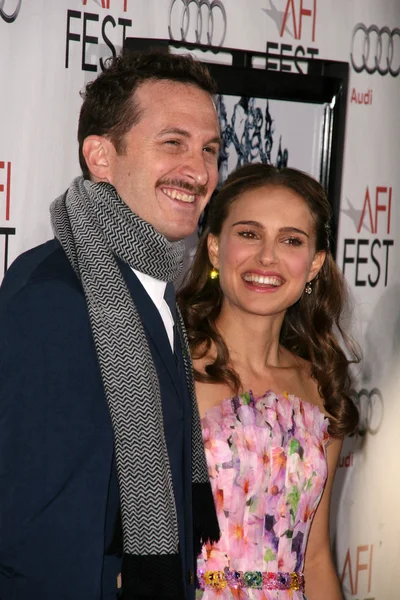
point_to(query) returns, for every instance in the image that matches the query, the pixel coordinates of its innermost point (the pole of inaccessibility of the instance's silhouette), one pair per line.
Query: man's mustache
(197, 190)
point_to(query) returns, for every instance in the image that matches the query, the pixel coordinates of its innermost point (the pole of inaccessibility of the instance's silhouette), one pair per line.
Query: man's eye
(211, 150)
(173, 142)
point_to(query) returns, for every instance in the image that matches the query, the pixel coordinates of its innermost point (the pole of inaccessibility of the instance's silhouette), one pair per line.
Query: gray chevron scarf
(94, 226)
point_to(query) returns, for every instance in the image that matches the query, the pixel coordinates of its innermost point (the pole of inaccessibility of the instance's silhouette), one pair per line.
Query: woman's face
(266, 251)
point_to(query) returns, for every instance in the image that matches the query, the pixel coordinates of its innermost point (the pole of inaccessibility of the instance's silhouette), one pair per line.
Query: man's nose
(196, 168)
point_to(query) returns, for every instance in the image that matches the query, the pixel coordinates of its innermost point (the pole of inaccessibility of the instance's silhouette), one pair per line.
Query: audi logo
(374, 50)
(198, 22)
(6, 12)
(370, 406)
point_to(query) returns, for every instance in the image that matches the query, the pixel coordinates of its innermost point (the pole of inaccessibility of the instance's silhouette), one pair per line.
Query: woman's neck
(252, 339)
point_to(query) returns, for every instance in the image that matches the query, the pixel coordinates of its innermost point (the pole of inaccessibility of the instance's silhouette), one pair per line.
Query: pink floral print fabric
(267, 465)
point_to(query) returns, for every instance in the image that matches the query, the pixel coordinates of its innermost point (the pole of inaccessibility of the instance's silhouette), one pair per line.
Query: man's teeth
(251, 277)
(175, 195)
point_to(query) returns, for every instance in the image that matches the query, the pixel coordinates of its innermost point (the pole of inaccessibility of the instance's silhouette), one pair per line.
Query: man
(102, 469)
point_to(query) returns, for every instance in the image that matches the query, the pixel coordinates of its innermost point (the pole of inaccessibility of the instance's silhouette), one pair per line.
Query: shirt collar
(154, 287)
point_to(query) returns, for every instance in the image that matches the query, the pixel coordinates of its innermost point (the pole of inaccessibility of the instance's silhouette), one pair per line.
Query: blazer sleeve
(56, 448)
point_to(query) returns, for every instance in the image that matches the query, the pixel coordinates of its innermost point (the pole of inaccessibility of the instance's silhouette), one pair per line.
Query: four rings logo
(375, 50)
(7, 12)
(370, 406)
(197, 22)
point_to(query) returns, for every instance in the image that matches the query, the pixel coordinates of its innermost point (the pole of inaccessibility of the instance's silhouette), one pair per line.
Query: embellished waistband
(219, 580)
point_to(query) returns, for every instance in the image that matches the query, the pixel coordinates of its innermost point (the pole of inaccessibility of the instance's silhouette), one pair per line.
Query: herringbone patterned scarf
(93, 226)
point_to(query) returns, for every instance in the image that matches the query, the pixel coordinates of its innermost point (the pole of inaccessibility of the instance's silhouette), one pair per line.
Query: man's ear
(213, 250)
(316, 265)
(97, 151)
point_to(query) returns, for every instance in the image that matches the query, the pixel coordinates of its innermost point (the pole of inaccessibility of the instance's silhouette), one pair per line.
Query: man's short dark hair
(109, 107)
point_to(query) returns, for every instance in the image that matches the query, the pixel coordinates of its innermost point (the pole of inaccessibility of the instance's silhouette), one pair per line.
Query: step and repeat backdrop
(50, 49)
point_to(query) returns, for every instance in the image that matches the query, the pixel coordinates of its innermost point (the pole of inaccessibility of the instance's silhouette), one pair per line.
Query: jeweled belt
(219, 580)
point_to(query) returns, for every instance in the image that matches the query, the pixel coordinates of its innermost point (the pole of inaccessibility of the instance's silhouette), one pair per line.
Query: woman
(272, 384)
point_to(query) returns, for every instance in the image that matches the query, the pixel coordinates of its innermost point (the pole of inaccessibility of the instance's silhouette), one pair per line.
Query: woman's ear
(213, 250)
(97, 152)
(316, 265)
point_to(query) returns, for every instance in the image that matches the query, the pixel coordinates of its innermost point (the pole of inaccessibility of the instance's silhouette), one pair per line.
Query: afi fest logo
(5, 211)
(357, 571)
(366, 256)
(197, 21)
(92, 37)
(295, 20)
(375, 50)
(9, 10)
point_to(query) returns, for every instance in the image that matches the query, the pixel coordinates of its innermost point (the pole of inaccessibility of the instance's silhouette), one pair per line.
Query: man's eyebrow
(215, 140)
(174, 130)
(178, 131)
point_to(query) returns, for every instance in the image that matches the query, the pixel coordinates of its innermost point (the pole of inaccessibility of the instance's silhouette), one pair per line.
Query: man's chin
(176, 237)
(179, 231)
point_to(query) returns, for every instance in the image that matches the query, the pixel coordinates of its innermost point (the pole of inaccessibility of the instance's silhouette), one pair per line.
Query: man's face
(169, 169)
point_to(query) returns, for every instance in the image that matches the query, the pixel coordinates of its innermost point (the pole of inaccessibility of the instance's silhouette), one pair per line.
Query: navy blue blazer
(58, 484)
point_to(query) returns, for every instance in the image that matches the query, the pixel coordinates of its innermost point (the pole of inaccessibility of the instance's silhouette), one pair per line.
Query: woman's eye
(294, 241)
(251, 235)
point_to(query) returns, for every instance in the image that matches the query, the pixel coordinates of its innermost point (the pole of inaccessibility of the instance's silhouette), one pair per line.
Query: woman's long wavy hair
(311, 326)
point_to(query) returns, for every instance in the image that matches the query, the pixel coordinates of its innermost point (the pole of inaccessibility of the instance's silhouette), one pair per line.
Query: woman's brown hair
(311, 326)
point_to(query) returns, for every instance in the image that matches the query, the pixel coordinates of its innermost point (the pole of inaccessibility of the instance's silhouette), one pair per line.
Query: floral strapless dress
(267, 464)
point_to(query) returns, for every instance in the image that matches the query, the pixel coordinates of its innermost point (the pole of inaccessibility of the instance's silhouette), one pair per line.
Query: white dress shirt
(156, 289)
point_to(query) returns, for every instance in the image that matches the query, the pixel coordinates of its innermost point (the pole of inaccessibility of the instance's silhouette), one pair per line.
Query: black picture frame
(323, 82)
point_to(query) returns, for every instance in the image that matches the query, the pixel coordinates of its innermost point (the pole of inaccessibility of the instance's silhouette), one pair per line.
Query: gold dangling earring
(214, 274)
(308, 288)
